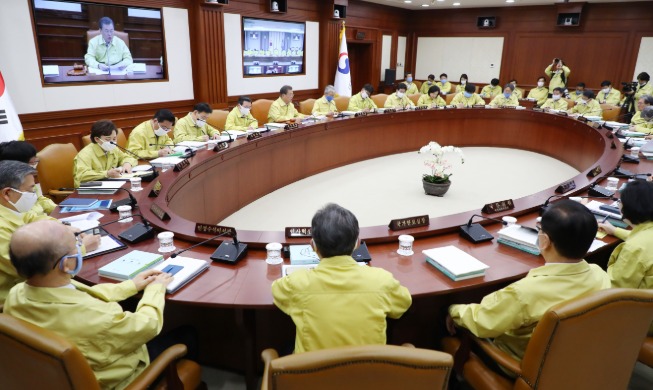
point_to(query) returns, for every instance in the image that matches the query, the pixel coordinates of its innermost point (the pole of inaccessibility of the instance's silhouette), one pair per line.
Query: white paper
(97, 71)
(50, 70)
(84, 225)
(138, 67)
(192, 144)
(106, 185)
(191, 268)
(141, 168)
(236, 133)
(276, 125)
(596, 244)
(92, 216)
(595, 207)
(106, 243)
(167, 160)
(454, 260)
(519, 234)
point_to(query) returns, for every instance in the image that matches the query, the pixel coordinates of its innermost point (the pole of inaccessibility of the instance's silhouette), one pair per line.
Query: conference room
(263, 186)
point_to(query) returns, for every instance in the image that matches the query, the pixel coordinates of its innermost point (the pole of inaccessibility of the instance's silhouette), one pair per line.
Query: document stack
(130, 265)
(302, 254)
(455, 263)
(520, 237)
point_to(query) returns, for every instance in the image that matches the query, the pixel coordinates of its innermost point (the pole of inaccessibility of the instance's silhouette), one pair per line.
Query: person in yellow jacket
(399, 99)
(444, 84)
(240, 117)
(112, 340)
(468, 98)
(556, 102)
(507, 99)
(150, 139)
(509, 316)
(578, 93)
(558, 72)
(17, 200)
(462, 82)
(539, 93)
(518, 92)
(411, 88)
(424, 89)
(642, 102)
(362, 101)
(107, 50)
(325, 301)
(326, 105)
(193, 127)
(608, 95)
(101, 159)
(644, 87)
(587, 106)
(432, 99)
(491, 90)
(282, 109)
(647, 121)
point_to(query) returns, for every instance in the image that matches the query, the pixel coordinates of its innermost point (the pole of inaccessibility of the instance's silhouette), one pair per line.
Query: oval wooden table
(215, 185)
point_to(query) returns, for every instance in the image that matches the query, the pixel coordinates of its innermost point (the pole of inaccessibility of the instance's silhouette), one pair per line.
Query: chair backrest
(90, 34)
(217, 119)
(414, 97)
(379, 367)
(379, 99)
(418, 84)
(591, 342)
(55, 168)
(260, 110)
(610, 112)
(306, 106)
(570, 103)
(121, 139)
(449, 97)
(36, 358)
(342, 103)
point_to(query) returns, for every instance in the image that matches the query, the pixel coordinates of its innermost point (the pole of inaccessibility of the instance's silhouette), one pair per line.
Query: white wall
(386, 48)
(20, 68)
(401, 58)
(238, 85)
(645, 57)
(480, 58)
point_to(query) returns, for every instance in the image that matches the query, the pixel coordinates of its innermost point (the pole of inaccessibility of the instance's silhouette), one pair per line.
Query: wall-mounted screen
(271, 47)
(90, 42)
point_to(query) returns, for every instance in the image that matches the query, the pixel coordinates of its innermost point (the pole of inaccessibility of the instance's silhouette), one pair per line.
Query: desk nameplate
(296, 232)
(409, 223)
(159, 212)
(213, 229)
(156, 189)
(497, 207)
(181, 166)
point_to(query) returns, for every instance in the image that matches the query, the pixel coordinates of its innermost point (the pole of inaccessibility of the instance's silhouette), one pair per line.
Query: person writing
(325, 302)
(398, 99)
(362, 101)
(193, 127)
(326, 105)
(282, 109)
(240, 118)
(556, 102)
(507, 99)
(106, 51)
(150, 139)
(491, 90)
(432, 99)
(468, 98)
(586, 106)
(424, 89)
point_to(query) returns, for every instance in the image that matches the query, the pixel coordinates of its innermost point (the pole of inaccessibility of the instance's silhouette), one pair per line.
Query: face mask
(26, 201)
(160, 132)
(409, 79)
(606, 90)
(579, 92)
(200, 122)
(329, 98)
(443, 81)
(582, 101)
(244, 110)
(429, 82)
(642, 83)
(556, 97)
(107, 146)
(78, 260)
(467, 94)
(364, 95)
(507, 95)
(463, 81)
(540, 84)
(400, 95)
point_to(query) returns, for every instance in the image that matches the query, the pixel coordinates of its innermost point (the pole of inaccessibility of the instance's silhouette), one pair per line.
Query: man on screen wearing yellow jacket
(399, 99)
(283, 109)
(586, 106)
(468, 98)
(556, 102)
(150, 139)
(507, 99)
(193, 127)
(47, 254)
(240, 117)
(608, 95)
(326, 105)
(362, 101)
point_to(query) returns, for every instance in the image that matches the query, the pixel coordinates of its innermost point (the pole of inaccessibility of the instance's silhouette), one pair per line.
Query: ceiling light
(456, 4)
(510, 1)
(407, 1)
(425, 5)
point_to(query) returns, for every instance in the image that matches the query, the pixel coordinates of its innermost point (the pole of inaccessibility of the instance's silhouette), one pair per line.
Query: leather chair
(379, 367)
(342, 103)
(591, 342)
(570, 103)
(55, 169)
(36, 358)
(449, 97)
(379, 99)
(121, 139)
(217, 119)
(414, 97)
(646, 352)
(306, 107)
(260, 110)
(90, 34)
(610, 112)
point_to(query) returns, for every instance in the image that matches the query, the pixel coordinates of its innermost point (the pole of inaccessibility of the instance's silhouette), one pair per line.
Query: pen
(605, 219)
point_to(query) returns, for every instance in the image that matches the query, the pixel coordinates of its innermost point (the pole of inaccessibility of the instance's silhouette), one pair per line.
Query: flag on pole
(343, 74)
(10, 127)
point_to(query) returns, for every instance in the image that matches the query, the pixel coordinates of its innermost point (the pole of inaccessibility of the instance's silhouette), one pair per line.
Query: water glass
(405, 245)
(274, 253)
(126, 213)
(166, 242)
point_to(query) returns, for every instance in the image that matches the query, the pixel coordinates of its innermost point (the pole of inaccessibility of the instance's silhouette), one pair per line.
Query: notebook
(130, 265)
(455, 263)
(184, 269)
(77, 202)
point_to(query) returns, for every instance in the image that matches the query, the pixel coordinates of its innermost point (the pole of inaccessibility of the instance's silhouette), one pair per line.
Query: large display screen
(91, 42)
(271, 47)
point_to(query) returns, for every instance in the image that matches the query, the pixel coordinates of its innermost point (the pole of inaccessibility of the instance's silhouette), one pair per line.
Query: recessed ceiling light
(425, 5)
(456, 4)
(407, 1)
(510, 1)
(440, 1)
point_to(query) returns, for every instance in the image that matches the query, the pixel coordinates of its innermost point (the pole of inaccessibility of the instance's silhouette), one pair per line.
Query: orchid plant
(439, 166)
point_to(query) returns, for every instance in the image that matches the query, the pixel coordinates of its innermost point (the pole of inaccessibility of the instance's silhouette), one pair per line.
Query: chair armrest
(164, 362)
(268, 356)
(500, 357)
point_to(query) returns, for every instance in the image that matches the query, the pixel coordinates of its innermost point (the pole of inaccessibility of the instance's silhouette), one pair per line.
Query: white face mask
(540, 83)
(582, 101)
(556, 97)
(400, 94)
(107, 146)
(160, 132)
(606, 90)
(244, 110)
(200, 122)
(463, 81)
(364, 95)
(26, 201)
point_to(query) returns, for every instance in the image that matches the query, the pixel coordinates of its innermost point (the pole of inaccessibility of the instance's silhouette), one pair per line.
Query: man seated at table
(193, 127)
(106, 50)
(362, 101)
(644, 87)
(519, 94)
(17, 200)
(339, 302)
(411, 88)
(507, 99)
(282, 109)
(642, 102)
(647, 125)
(556, 102)
(539, 93)
(491, 90)
(510, 315)
(150, 139)
(608, 95)
(424, 89)
(444, 85)
(468, 98)
(398, 99)
(432, 99)
(101, 159)
(586, 106)
(325, 105)
(47, 254)
(240, 117)
(578, 93)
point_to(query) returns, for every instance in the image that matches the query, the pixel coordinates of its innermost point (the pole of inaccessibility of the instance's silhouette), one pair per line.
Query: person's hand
(608, 228)
(451, 326)
(127, 168)
(459, 105)
(216, 136)
(144, 278)
(330, 114)
(121, 67)
(366, 110)
(103, 67)
(163, 278)
(649, 137)
(163, 152)
(205, 138)
(90, 241)
(114, 173)
(251, 127)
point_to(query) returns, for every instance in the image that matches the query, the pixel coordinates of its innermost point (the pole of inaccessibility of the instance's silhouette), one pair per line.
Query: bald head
(35, 247)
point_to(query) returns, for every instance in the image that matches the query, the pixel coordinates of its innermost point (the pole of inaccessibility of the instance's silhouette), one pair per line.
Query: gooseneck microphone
(476, 233)
(136, 233)
(175, 254)
(146, 178)
(131, 201)
(230, 252)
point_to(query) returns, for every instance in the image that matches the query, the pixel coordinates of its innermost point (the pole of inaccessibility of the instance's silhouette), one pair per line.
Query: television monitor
(272, 48)
(92, 42)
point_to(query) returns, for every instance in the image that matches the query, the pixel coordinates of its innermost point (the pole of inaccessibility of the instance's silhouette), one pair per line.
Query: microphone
(136, 233)
(175, 254)
(145, 178)
(108, 54)
(476, 233)
(228, 252)
(131, 201)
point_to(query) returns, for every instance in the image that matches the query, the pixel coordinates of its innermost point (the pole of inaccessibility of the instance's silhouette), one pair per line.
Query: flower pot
(437, 189)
